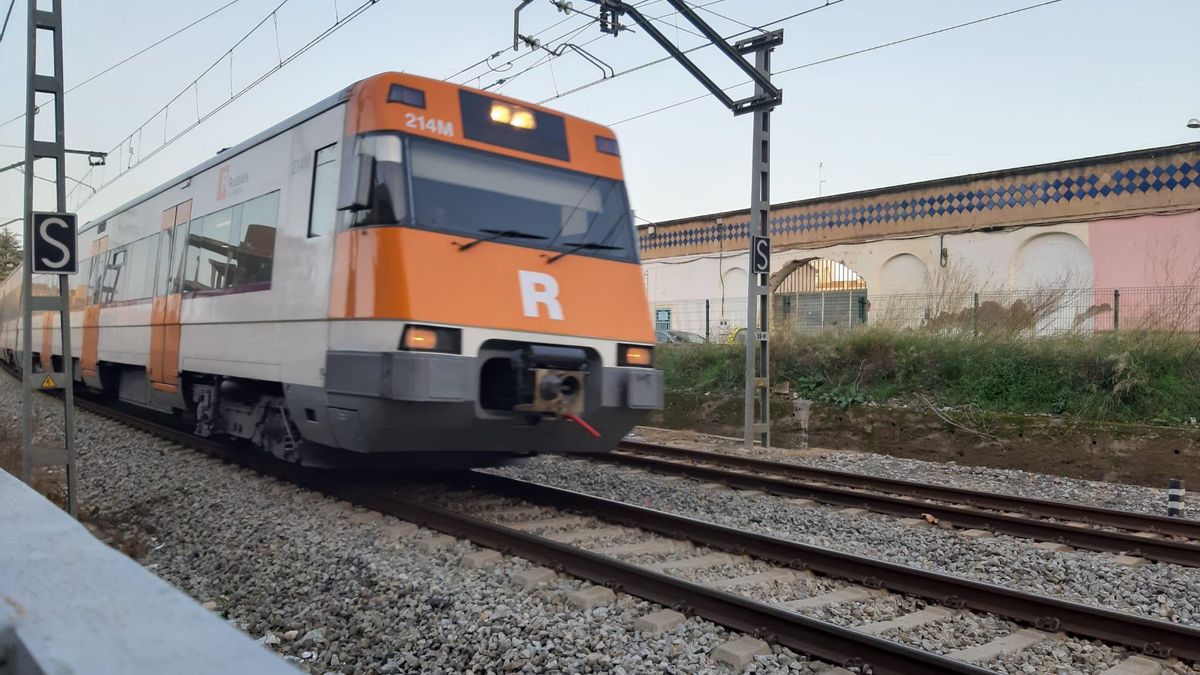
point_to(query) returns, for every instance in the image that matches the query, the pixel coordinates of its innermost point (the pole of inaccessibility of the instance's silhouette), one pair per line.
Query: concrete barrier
(70, 604)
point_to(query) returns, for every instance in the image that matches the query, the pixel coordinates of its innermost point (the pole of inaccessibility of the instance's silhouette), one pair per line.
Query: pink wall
(1146, 251)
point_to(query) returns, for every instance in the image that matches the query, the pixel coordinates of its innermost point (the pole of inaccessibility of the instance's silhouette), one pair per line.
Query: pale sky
(1072, 79)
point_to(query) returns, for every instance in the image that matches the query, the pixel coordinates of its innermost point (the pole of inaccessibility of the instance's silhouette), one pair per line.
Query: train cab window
(374, 187)
(322, 212)
(465, 191)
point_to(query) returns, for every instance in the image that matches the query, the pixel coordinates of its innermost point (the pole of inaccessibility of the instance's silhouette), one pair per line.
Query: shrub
(1131, 377)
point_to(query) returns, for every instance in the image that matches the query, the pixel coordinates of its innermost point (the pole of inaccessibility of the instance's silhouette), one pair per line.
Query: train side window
(208, 251)
(95, 278)
(178, 248)
(79, 284)
(252, 245)
(141, 268)
(163, 266)
(322, 212)
(113, 278)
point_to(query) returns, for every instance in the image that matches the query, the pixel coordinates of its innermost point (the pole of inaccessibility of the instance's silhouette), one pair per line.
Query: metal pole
(51, 21)
(707, 325)
(758, 293)
(975, 317)
(64, 281)
(27, 267)
(1116, 309)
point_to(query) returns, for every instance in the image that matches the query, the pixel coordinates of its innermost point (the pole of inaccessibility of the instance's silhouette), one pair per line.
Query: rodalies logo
(230, 185)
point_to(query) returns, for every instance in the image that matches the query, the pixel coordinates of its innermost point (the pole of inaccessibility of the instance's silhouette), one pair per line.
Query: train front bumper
(424, 402)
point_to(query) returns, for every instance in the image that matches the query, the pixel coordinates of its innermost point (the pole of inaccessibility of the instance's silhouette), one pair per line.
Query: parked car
(669, 337)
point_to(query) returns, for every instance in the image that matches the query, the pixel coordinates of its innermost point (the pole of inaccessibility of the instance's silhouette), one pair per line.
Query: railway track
(1171, 540)
(826, 641)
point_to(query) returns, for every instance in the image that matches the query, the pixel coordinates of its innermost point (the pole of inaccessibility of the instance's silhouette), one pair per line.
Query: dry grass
(50, 482)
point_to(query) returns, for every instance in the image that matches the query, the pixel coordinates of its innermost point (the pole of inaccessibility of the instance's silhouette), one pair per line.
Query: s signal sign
(760, 258)
(54, 243)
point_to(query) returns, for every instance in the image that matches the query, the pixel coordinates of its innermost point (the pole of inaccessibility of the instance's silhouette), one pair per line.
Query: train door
(165, 331)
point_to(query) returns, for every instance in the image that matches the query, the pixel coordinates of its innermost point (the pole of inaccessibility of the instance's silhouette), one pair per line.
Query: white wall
(1016, 259)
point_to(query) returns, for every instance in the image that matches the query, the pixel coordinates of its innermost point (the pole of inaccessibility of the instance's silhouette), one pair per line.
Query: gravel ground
(965, 629)
(1007, 481)
(1157, 590)
(335, 590)
(1060, 656)
(858, 612)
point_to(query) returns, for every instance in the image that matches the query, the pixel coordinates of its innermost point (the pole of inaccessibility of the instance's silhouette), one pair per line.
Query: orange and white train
(408, 273)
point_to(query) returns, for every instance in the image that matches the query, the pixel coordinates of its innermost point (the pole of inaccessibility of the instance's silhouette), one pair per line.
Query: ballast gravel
(335, 590)
(858, 612)
(1059, 656)
(1118, 496)
(1160, 591)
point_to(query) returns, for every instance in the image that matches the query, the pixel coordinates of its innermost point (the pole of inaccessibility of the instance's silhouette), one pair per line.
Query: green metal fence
(1018, 313)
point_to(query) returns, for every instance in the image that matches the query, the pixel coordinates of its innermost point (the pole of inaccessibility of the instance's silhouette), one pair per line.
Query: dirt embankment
(1128, 453)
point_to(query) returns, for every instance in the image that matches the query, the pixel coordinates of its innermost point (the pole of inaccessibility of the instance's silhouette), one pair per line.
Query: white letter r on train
(538, 288)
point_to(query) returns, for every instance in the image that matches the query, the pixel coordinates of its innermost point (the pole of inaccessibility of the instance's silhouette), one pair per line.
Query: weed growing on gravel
(1128, 377)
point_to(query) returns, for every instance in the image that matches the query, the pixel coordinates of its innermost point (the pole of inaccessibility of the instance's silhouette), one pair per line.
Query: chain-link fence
(1018, 313)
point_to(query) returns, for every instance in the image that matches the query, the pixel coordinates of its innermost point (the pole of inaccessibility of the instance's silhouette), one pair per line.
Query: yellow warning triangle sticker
(48, 383)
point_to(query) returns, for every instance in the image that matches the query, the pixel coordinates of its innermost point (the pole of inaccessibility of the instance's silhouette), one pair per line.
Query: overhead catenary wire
(501, 50)
(645, 3)
(569, 15)
(7, 15)
(727, 18)
(234, 95)
(664, 59)
(132, 56)
(845, 55)
(507, 65)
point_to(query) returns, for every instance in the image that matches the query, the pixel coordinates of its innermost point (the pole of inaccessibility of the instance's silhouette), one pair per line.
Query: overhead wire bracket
(771, 96)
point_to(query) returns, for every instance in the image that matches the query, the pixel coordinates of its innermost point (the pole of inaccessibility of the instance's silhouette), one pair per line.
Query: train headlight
(501, 114)
(523, 119)
(418, 338)
(635, 355)
(512, 115)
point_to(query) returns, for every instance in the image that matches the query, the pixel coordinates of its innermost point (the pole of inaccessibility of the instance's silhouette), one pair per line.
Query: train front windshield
(482, 195)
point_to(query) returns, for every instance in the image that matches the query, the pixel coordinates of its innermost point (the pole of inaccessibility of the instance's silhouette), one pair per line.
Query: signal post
(49, 249)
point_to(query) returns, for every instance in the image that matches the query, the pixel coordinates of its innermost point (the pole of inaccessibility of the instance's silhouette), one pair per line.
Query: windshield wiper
(496, 234)
(587, 244)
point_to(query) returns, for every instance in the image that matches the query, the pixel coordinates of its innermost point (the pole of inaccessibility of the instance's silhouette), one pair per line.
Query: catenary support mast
(766, 96)
(45, 24)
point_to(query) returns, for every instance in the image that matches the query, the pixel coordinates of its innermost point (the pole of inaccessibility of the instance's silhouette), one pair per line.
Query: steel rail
(820, 639)
(1041, 508)
(1085, 537)
(1150, 636)
(823, 640)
